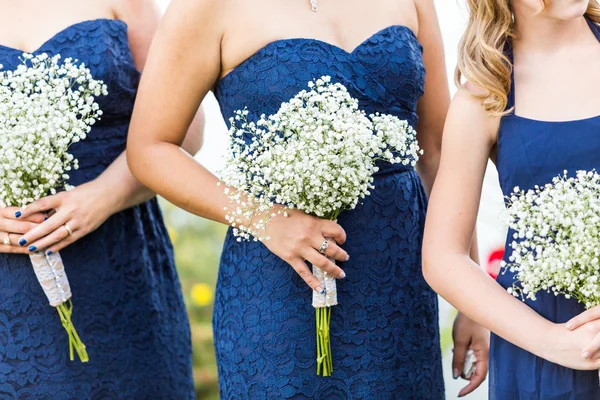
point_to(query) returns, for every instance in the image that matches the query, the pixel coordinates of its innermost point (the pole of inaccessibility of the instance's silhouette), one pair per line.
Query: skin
(560, 40)
(86, 207)
(201, 41)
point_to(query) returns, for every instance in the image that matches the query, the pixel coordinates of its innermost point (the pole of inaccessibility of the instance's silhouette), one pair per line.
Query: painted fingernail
(342, 274)
(586, 354)
(45, 218)
(455, 373)
(569, 326)
(320, 290)
(49, 252)
(22, 242)
(18, 214)
(32, 248)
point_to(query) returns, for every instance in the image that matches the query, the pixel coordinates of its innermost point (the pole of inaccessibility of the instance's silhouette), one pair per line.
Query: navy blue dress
(530, 153)
(385, 338)
(128, 307)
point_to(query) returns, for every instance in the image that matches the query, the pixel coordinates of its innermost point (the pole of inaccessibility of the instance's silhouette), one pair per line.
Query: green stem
(64, 311)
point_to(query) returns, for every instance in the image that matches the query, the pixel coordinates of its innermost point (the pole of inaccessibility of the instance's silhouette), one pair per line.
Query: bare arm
(469, 137)
(188, 47)
(433, 106)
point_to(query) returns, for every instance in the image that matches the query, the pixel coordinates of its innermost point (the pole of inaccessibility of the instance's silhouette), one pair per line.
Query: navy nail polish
(45, 218)
(49, 252)
(32, 248)
(22, 242)
(18, 214)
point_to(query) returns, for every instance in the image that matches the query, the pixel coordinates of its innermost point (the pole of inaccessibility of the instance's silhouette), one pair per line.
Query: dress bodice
(385, 73)
(102, 44)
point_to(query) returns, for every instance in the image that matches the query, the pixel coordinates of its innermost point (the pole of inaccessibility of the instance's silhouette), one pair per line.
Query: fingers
(49, 242)
(333, 250)
(334, 231)
(592, 350)
(40, 206)
(13, 248)
(305, 273)
(458, 359)
(54, 223)
(55, 248)
(15, 226)
(10, 213)
(583, 318)
(481, 370)
(324, 264)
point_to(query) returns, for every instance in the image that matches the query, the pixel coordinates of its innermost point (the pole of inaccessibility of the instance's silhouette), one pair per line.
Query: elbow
(434, 264)
(134, 156)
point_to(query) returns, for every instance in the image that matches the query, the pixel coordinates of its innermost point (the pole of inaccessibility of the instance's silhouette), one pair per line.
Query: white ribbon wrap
(329, 296)
(50, 273)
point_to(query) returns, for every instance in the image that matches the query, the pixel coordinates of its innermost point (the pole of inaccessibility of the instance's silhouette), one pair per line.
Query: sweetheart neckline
(64, 30)
(267, 46)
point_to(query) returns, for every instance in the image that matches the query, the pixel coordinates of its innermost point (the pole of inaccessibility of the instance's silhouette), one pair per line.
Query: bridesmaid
(385, 336)
(128, 304)
(530, 104)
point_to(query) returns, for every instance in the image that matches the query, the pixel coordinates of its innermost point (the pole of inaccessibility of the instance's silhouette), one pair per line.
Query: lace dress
(385, 338)
(128, 307)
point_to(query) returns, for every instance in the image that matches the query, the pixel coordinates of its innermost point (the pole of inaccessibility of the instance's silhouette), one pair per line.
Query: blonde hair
(482, 60)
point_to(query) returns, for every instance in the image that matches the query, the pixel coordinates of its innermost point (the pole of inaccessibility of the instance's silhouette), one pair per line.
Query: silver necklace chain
(314, 6)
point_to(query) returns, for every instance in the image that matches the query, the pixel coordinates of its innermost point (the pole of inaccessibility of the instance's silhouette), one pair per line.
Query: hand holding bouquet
(317, 154)
(45, 107)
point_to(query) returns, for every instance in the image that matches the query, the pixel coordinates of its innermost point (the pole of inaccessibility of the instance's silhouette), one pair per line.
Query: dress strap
(511, 94)
(594, 27)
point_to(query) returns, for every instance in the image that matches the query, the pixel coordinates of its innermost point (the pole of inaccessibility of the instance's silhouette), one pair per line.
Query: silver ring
(324, 247)
(7, 240)
(68, 229)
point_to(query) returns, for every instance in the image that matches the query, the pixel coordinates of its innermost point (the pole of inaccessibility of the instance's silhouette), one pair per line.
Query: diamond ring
(7, 240)
(324, 247)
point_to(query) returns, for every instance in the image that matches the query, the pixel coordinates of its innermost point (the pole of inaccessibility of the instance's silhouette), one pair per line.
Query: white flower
(558, 238)
(318, 154)
(45, 106)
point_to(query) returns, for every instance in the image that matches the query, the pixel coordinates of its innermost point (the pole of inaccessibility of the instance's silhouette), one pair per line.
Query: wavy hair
(482, 59)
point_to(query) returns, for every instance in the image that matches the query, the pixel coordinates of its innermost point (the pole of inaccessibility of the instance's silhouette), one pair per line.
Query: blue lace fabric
(128, 307)
(384, 332)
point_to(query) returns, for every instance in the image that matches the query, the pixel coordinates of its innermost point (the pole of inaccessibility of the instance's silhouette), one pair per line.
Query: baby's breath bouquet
(317, 154)
(45, 106)
(556, 246)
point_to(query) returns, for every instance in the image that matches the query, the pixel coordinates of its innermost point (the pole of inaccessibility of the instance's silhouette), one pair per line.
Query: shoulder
(131, 10)
(468, 110)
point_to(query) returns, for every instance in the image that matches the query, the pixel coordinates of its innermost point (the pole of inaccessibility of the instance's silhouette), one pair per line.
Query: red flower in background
(493, 262)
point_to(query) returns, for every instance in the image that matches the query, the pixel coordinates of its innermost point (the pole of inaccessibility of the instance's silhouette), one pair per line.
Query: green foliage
(198, 244)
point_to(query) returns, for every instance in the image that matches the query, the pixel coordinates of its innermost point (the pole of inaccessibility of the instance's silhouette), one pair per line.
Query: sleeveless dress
(128, 307)
(384, 332)
(530, 153)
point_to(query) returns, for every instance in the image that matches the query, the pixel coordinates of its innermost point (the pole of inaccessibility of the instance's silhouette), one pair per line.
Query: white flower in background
(556, 246)
(318, 154)
(45, 106)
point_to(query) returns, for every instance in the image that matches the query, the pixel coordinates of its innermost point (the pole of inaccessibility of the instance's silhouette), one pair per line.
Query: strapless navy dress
(128, 307)
(385, 338)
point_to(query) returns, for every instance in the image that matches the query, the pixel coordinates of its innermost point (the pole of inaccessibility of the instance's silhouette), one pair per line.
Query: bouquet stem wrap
(50, 272)
(322, 302)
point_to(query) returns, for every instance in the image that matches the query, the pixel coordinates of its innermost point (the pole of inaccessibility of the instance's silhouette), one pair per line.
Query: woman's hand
(73, 215)
(299, 236)
(592, 349)
(565, 347)
(13, 227)
(468, 335)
